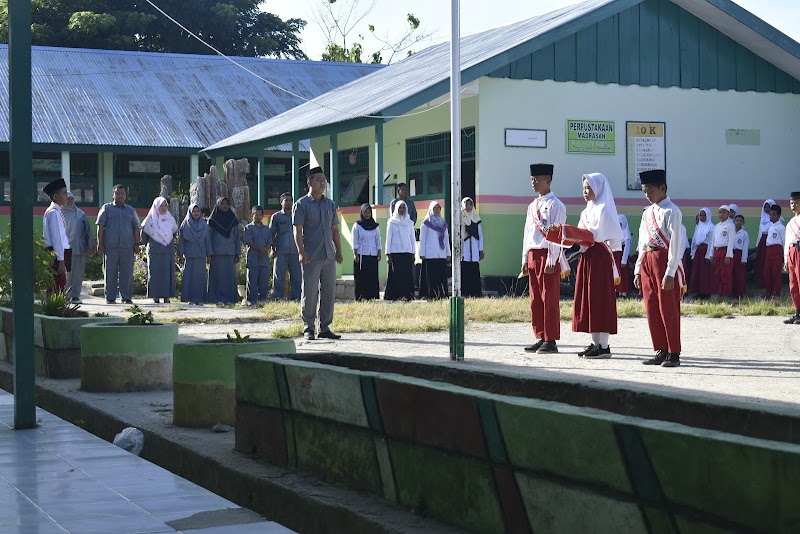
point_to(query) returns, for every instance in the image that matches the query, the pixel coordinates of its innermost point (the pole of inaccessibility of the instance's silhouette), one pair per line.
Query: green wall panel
(669, 51)
(544, 63)
(783, 82)
(608, 50)
(586, 54)
(765, 76)
(629, 46)
(648, 43)
(726, 63)
(565, 60)
(689, 50)
(745, 69)
(707, 51)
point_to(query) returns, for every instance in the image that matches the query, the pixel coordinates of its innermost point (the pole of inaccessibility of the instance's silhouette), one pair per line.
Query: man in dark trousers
(118, 239)
(55, 232)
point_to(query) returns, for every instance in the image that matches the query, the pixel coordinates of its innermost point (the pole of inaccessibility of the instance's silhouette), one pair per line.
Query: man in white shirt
(55, 232)
(721, 253)
(791, 255)
(658, 270)
(541, 261)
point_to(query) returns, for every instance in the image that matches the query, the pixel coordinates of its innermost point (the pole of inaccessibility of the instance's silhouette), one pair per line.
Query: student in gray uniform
(194, 250)
(158, 232)
(284, 250)
(258, 239)
(316, 234)
(81, 242)
(118, 239)
(226, 247)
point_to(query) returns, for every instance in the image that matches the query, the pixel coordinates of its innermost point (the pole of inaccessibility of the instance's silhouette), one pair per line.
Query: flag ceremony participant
(366, 255)
(622, 257)
(658, 269)
(761, 243)
(774, 255)
(741, 243)
(595, 309)
(55, 233)
(401, 247)
(81, 243)
(700, 278)
(541, 260)
(791, 256)
(471, 249)
(720, 253)
(434, 251)
(158, 233)
(194, 250)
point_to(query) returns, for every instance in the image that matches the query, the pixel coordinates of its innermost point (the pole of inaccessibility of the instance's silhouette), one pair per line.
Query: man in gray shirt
(316, 234)
(118, 239)
(284, 251)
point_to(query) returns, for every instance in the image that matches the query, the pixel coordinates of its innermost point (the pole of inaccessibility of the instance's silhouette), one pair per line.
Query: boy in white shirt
(773, 262)
(791, 256)
(721, 253)
(741, 244)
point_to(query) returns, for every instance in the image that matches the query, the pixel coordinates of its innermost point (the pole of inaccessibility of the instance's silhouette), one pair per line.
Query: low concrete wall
(492, 463)
(56, 340)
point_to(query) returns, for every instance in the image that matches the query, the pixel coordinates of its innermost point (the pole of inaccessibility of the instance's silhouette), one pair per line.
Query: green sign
(590, 137)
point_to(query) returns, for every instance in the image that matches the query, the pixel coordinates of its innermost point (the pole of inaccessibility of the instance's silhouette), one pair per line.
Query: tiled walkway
(58, 478)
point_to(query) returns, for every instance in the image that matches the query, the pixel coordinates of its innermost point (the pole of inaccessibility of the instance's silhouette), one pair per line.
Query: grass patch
(288, 332)
(282, 309)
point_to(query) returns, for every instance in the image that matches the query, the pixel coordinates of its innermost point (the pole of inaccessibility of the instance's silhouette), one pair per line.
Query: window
(353, 176)
(83, 178)
(428, 162)
(141, 174)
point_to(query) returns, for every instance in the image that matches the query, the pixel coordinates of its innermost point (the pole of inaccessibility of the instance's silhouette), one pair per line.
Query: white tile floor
(60, 479)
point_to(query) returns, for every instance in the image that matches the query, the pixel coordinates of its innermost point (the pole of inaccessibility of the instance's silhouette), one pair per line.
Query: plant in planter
(57, 304)
(131, 356)
(42, 267)
(204, 383)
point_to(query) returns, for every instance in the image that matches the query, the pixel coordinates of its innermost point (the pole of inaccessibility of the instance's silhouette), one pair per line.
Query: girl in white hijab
(622, 256)
(471, 249)
(400, 252)
(761, 248)
(700, 279)
(434, 250)
(158, 230)
(595, 279)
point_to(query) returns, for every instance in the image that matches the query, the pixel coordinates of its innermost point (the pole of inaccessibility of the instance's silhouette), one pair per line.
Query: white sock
(595, 338)
(602, 339)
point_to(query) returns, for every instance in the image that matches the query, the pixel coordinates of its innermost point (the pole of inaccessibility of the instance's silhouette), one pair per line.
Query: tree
(234, 27)
(338, 19)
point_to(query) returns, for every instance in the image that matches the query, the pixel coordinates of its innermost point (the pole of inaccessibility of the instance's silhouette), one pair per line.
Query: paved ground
(743, 359)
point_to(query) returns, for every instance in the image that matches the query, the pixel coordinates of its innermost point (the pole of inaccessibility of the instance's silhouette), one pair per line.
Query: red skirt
(595, 299)
(761, 257)
(624, 285)
(701, 279)
(739, 274)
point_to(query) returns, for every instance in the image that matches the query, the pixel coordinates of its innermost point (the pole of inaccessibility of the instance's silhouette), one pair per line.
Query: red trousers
(723, 273)
(544, 292)
(761, 256)
(739, 274)
(773, 267)
(663, 308)
(794, 276)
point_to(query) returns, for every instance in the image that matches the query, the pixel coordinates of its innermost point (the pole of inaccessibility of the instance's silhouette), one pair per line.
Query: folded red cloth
(566, 235)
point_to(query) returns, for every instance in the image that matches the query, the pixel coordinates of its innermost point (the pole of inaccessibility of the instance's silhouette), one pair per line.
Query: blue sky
(478, 15)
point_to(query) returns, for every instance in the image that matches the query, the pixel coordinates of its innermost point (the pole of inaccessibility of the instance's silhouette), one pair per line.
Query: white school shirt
(471, 248)
(55, 231)
(792, 236)
(550, 211)
(429, 244)
(400, 238)
(668, 219)
(723, 237)
(776, 234)
(366, 242)
(741, 241)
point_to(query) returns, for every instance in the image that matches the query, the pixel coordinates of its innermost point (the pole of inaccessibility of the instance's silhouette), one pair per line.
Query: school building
(102, 117)
(701, 88)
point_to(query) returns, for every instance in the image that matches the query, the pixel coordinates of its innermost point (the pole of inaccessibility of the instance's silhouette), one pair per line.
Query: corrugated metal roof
(399, 87)
(118, 98)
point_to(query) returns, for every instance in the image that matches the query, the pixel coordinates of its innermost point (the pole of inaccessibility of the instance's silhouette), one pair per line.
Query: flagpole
(456, 300)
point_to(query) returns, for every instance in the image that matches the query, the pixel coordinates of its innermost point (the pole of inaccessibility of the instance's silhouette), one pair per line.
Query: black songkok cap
(654, 177)
(795, 195)
(312, 172)
(54, 186)
(541, 169)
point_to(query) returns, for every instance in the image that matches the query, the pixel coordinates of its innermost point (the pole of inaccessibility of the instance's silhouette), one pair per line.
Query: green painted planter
(122, 357)
(56, 340)
(203, 378)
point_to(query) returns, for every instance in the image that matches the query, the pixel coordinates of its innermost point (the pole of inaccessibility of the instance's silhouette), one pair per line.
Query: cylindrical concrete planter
(204, 384)
(122, 357)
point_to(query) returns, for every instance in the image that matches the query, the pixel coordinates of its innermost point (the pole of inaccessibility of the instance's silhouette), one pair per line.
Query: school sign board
(646, 150)
(590, 137)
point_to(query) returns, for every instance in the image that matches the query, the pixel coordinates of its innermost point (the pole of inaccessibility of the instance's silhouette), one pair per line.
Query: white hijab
(702, 229)
(600, 216)
(765, 223)
(626, 230)
(401, 227)
(160, 228)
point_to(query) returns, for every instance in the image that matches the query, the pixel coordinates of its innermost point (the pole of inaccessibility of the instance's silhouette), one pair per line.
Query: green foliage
(139, 316)
(235, 27)
(238, 337)
(94, 267)
(42, 267)
(57, 304)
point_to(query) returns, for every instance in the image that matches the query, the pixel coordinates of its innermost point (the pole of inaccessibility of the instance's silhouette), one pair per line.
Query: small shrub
(94, 267)
(57, 304)
(139, 316)
(238, 337)
(42, 267)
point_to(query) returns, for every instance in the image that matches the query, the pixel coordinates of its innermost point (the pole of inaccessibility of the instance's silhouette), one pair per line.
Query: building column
(295, 170)
(260, 179)
(378, 199)
(333, 172)
(106, 181)
(65, 170)
(194, 168)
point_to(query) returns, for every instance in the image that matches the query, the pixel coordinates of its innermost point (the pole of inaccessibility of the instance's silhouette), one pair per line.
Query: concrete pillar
(378, 198)
(296, 177)
(260, 178)
(333, 172)
(194, 168)
(65, 171)
(106, 181)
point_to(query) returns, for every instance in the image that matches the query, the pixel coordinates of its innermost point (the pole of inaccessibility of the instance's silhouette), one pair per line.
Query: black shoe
(111, 302)
(309, 336)
(674, 360)
(127, 301)
(156, 301)
(166, 301)
(548, 347)
(658, 359)
(329, 335)
(587, 350)
(794, 319)
(599, 353)
(535, 346)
